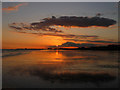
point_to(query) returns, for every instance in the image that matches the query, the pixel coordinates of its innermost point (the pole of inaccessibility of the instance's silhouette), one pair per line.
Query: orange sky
(14, 39)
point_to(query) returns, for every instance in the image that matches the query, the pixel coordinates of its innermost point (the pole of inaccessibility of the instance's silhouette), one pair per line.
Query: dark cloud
(75, 21)
(102, 41)
(17, 28)
(95, 41)
(71, 44)
(67, 21)
(27, 27)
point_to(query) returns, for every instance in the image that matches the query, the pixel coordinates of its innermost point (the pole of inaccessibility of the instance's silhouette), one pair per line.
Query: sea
(59, 69)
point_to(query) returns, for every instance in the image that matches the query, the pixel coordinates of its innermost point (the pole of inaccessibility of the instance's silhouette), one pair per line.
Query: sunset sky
(39, 25)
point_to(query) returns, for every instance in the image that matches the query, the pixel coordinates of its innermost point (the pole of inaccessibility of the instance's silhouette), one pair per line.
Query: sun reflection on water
(57, 53)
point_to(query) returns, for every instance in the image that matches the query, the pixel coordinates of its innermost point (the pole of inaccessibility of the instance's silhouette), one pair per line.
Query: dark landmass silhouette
(109, 47)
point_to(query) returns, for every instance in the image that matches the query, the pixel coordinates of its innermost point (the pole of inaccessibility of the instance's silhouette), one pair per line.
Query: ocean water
(59, 69)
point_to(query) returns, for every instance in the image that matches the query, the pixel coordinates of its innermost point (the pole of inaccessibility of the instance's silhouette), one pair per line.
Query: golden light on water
(57, 53)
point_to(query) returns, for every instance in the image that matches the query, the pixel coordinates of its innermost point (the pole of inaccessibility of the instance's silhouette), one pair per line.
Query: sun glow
(57, 53)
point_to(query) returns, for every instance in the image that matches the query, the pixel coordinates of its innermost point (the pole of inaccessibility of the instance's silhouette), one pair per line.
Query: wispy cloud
(93, 41)
(61, 35)
(103, 41)
(13, 8)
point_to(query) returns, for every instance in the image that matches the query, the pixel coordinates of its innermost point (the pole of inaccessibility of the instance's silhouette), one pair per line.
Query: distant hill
(109, 47)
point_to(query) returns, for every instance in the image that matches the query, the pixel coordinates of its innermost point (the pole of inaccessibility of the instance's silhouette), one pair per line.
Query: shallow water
(59, 69)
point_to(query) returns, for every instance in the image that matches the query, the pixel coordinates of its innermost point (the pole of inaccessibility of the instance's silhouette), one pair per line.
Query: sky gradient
(22, 13)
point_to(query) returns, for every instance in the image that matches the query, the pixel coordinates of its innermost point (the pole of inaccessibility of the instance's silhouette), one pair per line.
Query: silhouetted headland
(109, 47)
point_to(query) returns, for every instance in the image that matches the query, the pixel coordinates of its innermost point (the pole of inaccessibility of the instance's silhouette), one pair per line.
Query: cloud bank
(66, 21)
(69, 21)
